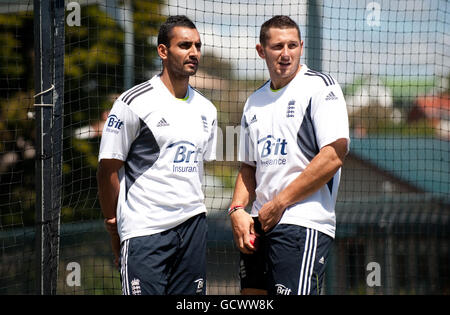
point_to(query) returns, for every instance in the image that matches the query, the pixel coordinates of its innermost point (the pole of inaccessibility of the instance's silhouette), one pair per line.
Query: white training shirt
(282, 132)
(163, 142)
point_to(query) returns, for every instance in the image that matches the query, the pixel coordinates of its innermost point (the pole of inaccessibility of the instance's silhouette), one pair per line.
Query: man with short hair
(293, 143)
(150, 172)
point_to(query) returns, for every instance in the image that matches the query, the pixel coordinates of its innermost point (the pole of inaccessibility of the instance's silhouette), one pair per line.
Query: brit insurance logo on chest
(272, 151)
(186, 156)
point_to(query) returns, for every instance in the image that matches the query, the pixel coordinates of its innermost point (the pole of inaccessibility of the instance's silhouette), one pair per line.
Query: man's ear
(301, 48)
(162, 51)
(260, 50)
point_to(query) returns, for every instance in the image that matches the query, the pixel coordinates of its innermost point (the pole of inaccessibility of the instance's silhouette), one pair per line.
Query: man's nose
(194, 51)
(285, 52)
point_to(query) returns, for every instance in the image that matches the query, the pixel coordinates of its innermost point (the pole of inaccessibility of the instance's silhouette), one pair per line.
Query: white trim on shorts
(309, 257)
(124, 267)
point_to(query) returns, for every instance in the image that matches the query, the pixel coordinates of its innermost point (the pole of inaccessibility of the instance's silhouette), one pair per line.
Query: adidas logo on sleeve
(162, 123)
(331, 97)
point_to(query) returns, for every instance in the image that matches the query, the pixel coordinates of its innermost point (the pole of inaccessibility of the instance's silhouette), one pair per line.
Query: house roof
(435, 106)
(421, 162)
(398, 213)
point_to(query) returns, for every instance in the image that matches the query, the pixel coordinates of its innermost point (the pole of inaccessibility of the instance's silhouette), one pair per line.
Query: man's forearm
(242, 223)
(244, 190)
(108, 192)
(321, 169)
(319, 172)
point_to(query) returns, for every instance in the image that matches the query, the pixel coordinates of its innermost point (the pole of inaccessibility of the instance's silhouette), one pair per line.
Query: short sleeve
(246, 152)
(119, 132)
(210, 152)
(329, 116)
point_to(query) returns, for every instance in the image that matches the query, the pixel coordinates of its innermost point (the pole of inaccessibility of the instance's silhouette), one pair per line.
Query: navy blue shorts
(290, 260)
(172, 262)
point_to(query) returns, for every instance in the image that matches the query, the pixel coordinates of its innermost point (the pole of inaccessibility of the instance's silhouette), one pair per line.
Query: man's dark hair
(278, 21)
(165, 30)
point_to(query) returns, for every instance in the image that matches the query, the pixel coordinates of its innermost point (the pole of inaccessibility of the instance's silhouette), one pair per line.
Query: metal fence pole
(58, 126)
(48, 102)
(314, 42)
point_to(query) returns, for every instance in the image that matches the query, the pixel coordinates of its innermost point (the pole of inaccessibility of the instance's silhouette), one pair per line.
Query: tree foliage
(93, 76)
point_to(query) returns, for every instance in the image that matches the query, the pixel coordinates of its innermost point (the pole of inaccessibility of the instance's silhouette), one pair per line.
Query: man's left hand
(270, 214)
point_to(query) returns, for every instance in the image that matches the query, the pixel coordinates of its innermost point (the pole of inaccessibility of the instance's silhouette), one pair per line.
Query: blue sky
(412, 38)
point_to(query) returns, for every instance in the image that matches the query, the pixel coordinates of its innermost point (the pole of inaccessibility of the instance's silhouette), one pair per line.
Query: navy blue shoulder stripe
(329, 78)
(133, 89)
(315, 75)
(325, 77)
(131, 96)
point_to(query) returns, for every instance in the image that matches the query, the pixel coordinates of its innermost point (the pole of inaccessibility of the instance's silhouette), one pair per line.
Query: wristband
(234, 208)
